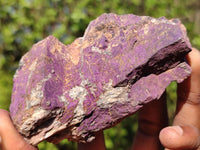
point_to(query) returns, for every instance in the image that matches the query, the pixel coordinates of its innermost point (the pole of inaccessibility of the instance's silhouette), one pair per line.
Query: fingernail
(178, 130)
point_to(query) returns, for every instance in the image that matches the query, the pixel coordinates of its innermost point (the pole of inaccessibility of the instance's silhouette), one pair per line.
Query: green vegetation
(25, 22)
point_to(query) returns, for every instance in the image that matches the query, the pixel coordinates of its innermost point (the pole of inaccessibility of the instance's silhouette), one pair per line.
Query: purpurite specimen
(74, 91)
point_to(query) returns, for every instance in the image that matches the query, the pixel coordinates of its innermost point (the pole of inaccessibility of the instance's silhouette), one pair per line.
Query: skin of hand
(10, 139)
(184, 134)
(153, 118)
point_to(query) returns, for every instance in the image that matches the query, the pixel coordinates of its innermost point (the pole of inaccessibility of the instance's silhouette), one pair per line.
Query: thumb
(9, 137)
(180, 137)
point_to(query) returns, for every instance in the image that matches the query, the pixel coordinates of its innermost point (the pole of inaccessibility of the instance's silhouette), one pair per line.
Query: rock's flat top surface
(121, 63)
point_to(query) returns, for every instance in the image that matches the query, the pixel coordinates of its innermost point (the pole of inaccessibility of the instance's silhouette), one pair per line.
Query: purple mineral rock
(74, 91)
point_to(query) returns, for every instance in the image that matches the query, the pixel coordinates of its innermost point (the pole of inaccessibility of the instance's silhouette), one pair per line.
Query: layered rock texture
(74, 91)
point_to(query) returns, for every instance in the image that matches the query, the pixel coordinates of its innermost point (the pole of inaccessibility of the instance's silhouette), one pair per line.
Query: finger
(97, 144)
(180, 137)
(10, 138)
(188, 104)
(187, 113)
(152, 118)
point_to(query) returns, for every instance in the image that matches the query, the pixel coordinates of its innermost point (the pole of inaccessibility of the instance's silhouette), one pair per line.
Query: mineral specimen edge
(120, 64)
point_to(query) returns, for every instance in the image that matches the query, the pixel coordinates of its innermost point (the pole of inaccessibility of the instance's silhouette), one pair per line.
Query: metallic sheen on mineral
(74, 91)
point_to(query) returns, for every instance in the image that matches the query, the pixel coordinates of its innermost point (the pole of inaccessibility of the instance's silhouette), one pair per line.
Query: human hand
(10, 139)
(185, 132)
(153, 118)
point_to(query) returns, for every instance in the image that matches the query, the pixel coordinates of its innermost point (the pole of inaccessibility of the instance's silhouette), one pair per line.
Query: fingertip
(4, 113)
(176, 137)
(194, 59)
(9, 137)
(168, 135)
(4, 120)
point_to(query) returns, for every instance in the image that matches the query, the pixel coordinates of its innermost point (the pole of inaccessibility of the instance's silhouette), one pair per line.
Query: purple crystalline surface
(121, 63)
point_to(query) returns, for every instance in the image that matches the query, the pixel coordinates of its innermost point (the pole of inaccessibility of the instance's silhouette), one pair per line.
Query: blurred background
(25, 22)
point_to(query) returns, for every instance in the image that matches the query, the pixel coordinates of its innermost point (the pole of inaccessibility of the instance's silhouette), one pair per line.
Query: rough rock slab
(74, 91)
